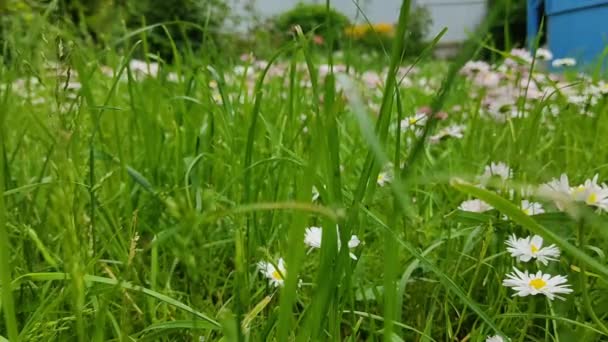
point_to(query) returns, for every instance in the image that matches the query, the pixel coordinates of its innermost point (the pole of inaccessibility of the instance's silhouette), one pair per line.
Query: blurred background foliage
(207, 27)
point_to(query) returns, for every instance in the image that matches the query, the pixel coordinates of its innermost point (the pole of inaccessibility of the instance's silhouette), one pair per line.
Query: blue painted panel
(581, 33)
(559, 6)
(533, 23)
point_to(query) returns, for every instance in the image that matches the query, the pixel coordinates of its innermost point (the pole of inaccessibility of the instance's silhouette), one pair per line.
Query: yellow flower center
(592, 198)
(538, 283)
(534, 249)
(527, 212)
(276, 275)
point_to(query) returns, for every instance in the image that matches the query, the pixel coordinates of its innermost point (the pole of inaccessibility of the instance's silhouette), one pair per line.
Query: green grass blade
(8, 305)
(56, 276)
(180, 324)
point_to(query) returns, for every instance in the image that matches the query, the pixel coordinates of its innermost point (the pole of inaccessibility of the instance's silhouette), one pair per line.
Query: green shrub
(313, 18)
(206, 14)
(419, 24)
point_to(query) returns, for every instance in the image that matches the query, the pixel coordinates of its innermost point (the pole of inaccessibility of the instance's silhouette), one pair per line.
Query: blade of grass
(8, 306)
(180, 324)
(57, 276)
(445, 280)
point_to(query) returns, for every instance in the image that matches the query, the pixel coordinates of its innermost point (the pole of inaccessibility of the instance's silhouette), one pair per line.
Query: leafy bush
(313, 18)
(419, 23)
(206, 14)
(95, 18)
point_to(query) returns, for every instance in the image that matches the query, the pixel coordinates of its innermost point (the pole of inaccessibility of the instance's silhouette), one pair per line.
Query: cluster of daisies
(528, 248)
(276, 273)
(525, 283)
(500, 172)
(512, 89)
(562, 193)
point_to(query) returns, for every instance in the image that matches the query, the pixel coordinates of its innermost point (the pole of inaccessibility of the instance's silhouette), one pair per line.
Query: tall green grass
(137, 208)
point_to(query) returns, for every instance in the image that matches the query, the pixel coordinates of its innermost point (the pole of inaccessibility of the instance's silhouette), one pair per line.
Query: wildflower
(487, 79)
(371, 79)
(142, 68)
(386, 29)
(241, 70)
(500, 169)
(532, 284)
(411, 122)
(106, 71)
(519, 56)
(172, 77)
(579, 100)
(531, 247)
(453, 131)
(544, 54)
(473, 67)
(591, 193)
(495, 338)
(275, 275)
(551, 109)
(475, 206)
(314, 235)
(558, 190)
(384, 177)
(602, 87)
(563, 62)
(531, 208)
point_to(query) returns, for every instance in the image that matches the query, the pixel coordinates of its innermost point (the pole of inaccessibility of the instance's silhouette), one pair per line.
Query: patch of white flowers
(561, 193)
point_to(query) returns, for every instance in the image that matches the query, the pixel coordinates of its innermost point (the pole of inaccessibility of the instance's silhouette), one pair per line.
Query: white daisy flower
(544, 54)
(141, 68)
(276, 275)
(532, 284)
(531, 247)
(563, 62)
(495, 338)
(475, 206)
(413, 122)
(488, 79)
(592, 193)
(499, 169)
(384, 178)
(314, 235)
(557, 190)
(602, 87)
(518, 57)
(475, 67)
(531, 208)
(453, 131)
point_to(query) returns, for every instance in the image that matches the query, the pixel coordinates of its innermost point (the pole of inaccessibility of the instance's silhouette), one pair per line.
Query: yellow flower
(356, 31)
(384, 29)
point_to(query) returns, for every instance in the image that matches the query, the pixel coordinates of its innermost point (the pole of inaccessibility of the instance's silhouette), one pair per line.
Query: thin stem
(583, 284)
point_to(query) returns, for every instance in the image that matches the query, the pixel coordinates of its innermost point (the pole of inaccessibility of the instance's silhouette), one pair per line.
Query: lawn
(309, 196)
